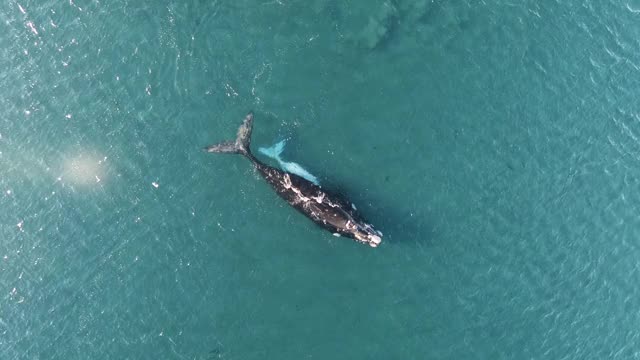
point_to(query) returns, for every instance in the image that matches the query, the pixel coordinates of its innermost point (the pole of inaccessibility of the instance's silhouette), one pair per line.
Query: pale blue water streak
(495, 143)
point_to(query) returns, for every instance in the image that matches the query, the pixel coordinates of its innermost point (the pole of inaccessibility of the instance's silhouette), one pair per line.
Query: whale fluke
(242, 143)
(223, 147)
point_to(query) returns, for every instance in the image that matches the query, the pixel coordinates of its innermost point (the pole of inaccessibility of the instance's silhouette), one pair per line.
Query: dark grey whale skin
(328, 210)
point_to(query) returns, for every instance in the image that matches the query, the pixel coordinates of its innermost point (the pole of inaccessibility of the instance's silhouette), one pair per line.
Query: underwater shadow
(399, 226)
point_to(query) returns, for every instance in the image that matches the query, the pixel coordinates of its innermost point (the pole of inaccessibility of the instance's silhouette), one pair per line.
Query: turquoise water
(495, 143)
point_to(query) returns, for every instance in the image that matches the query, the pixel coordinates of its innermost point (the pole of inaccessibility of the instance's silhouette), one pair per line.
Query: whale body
(330, 211)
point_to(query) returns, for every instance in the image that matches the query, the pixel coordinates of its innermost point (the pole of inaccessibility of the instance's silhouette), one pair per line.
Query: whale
(288, 166)
(329, 210)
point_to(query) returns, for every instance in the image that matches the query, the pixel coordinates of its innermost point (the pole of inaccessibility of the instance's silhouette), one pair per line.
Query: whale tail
(242, 143)
(274, 151)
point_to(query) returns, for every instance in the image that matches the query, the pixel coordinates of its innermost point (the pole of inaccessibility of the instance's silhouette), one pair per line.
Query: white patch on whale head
(374, 240)
(368, 235)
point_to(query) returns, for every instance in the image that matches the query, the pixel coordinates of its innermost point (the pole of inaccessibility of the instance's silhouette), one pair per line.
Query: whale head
(365, 233)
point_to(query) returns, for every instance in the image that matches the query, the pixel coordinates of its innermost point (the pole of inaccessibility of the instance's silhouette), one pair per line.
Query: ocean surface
(495, 143)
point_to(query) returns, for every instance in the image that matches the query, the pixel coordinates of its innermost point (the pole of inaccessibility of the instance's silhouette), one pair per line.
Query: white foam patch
(84, 169)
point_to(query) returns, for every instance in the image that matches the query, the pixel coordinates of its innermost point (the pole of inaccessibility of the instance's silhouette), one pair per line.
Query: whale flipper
(241, 144)
(288, 166)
